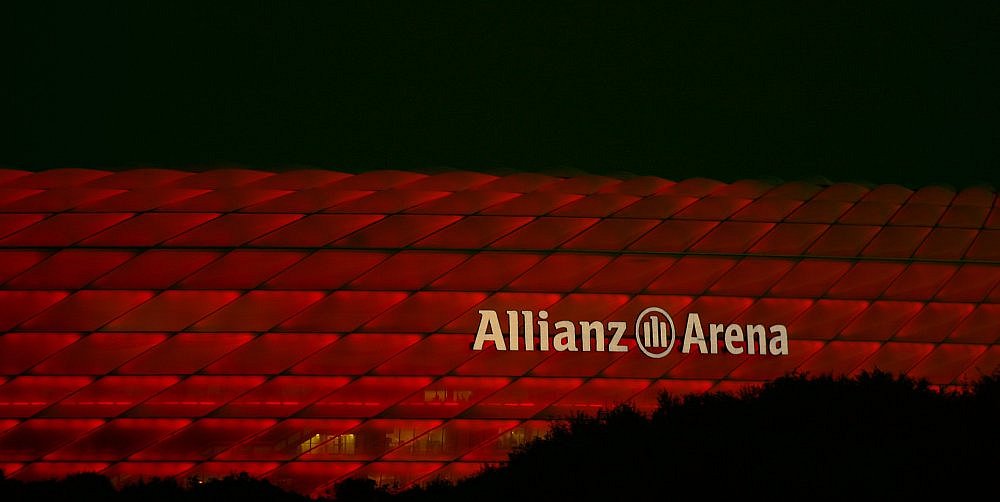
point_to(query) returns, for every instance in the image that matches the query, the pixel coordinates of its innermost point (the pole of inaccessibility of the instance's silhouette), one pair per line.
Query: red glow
(311, 325)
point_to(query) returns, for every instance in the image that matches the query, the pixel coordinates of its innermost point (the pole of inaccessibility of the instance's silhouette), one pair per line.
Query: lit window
(328, 444)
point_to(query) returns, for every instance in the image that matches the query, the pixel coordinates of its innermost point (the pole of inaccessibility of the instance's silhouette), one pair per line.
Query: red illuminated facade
(307, 326)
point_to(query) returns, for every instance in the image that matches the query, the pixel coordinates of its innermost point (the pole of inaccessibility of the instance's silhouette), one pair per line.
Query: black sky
(901, 92)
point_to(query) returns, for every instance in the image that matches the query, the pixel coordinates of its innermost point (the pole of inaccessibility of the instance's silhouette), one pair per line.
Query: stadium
(309, 326)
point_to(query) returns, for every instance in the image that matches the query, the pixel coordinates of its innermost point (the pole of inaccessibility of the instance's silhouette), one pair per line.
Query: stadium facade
(308, 326)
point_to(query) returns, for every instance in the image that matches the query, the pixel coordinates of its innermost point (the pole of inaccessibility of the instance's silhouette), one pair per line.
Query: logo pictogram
(654, 332)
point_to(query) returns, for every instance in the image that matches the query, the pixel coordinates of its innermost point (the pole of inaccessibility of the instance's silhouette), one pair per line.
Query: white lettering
(592, 327)
(714, 330)
(779, 344)
(761, 341)
(489, 330)
(529, 331)
(619, 330)
(693, 334)
(734, 336)
(512, 322)
(565, 339)
(543, 330)
(598, 336)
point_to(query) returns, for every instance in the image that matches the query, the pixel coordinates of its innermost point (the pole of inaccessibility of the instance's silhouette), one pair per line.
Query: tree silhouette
(797, 437)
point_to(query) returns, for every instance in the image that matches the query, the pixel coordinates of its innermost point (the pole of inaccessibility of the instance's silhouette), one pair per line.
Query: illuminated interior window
(342, 444)
(399, 436)
(432, 442)
(518, 436)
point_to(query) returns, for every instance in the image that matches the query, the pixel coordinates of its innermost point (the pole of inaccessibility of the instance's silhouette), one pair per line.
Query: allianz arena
(309, 326)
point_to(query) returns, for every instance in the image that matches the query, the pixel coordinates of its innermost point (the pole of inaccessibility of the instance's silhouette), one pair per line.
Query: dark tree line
(795, 438)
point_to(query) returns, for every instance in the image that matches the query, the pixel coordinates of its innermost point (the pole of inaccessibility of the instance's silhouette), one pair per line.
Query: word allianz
(528, 331)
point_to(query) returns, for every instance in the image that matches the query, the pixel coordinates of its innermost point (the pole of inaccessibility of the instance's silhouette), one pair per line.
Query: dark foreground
(795, 438)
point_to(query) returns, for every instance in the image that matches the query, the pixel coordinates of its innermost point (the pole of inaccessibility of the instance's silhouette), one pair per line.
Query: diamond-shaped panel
(311, 325)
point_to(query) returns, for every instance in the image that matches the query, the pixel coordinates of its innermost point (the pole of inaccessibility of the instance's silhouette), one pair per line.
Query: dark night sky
(899, 92)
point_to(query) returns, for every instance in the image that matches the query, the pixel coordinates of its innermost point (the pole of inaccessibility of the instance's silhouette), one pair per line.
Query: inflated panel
(313, 325)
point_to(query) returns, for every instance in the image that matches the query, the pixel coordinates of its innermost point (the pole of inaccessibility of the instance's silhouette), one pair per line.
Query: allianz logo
(655, 334)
